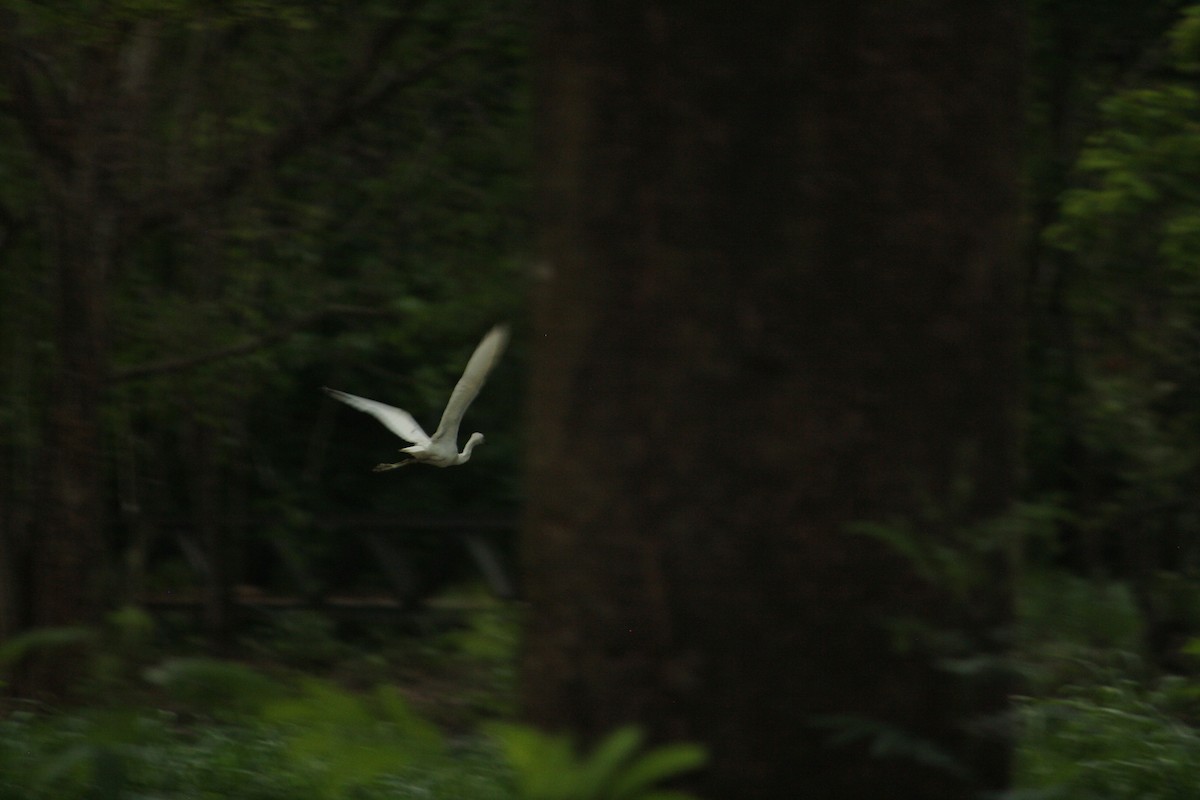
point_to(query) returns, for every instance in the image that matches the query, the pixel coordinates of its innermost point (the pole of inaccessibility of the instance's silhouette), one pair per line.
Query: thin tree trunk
(209, 524)
(68, 560)
(777, 298)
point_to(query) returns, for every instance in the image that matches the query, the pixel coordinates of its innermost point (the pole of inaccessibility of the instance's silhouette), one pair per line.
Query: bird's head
(476, 439)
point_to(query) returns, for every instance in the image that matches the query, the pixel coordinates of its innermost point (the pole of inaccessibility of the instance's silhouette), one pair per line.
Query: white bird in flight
(441, 449)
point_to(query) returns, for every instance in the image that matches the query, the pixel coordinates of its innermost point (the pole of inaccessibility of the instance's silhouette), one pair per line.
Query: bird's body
(441, 449)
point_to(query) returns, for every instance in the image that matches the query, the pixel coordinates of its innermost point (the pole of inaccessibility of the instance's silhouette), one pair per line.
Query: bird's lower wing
(397, 420)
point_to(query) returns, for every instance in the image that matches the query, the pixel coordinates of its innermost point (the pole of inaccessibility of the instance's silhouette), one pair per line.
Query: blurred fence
(391, 546)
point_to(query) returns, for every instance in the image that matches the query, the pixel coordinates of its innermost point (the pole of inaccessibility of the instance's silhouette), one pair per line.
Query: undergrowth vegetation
(430, 715)
(168, 726)
(1096, 721)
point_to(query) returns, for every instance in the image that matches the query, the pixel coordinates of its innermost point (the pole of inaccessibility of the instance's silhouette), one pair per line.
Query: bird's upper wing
(482, 360)
(397, 420)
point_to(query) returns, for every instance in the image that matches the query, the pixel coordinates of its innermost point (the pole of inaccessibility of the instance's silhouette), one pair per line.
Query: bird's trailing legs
(397, 465)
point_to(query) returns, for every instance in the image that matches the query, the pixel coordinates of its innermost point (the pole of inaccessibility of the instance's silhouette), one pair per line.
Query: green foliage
(1129, 229)
(19, 647)
(1112, 739)
(485, 649)
(547, 767)
(132, 628)
(883, 740)
(349, 742)
(1064, 608)
(242, 735)
(1185, 41)
(490, 636)
(234, 733)
(109, 654)
(132, 753)
(1098, 723)
(958, 558)
(1070, 629)
(300, 638)
(210, 688)
(127, 643)
(85, 756)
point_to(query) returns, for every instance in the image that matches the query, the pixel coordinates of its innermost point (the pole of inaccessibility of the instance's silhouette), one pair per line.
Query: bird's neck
(465, 455)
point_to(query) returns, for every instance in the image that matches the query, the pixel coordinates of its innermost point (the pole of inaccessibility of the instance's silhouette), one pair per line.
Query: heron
(441, 449)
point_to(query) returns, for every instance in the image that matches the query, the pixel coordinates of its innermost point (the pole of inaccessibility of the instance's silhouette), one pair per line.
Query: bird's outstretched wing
(486, 354)
(397, 420)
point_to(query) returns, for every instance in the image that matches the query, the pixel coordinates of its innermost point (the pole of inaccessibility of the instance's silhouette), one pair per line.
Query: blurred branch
(9, 225)
(24, 104)
(184, 363)
(346, 104)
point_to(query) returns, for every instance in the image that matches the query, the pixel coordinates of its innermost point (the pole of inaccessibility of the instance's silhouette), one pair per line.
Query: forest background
(207, 214)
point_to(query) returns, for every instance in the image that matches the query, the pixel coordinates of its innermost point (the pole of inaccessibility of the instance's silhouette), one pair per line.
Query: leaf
(597, 771)
(884, 740)
(656, 766)
(543, 765)
(351, 741)
(421, 738)
(19, 647)
(547, 768)
(214, 687)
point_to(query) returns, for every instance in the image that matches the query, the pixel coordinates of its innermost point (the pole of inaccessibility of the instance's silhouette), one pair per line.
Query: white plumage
(441, 449)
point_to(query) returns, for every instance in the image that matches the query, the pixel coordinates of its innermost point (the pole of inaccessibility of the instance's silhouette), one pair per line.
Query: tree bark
(67, 558)
(777, 298)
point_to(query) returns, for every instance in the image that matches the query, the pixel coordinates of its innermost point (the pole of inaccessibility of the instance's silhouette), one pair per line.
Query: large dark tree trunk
(777, 298)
